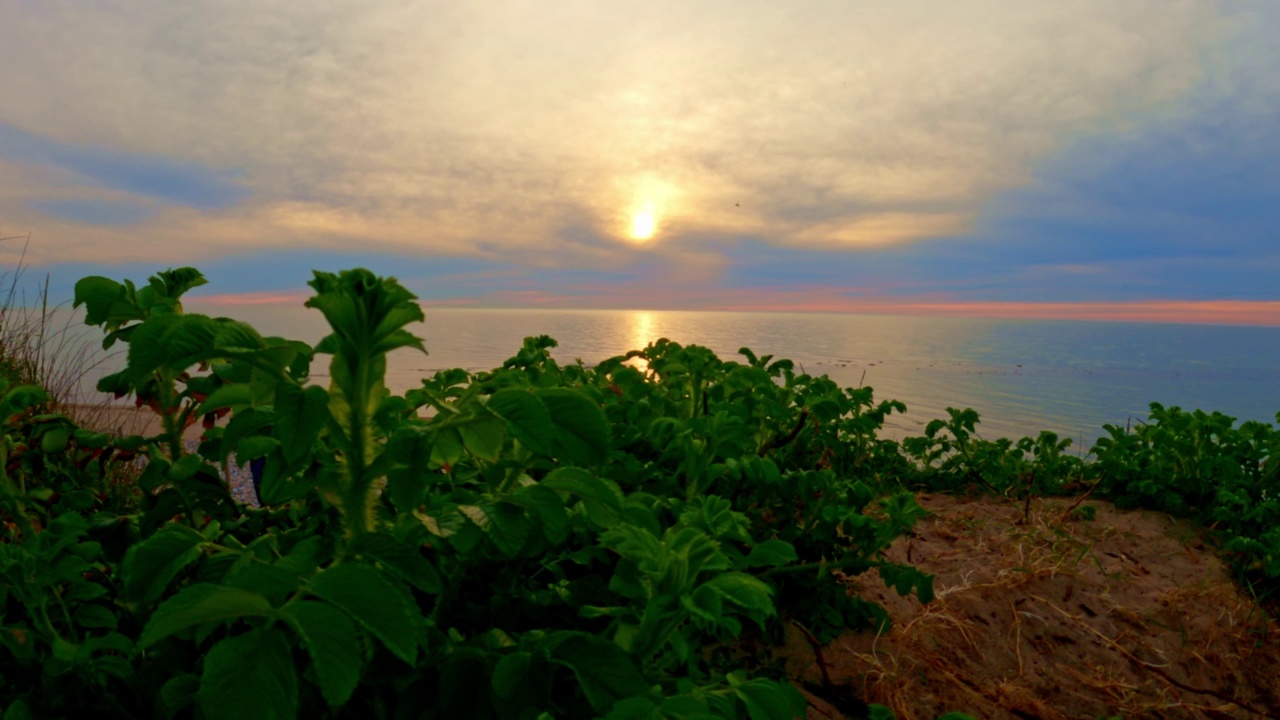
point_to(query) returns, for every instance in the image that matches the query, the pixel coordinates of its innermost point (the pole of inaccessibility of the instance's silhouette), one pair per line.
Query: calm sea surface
(1022, 376)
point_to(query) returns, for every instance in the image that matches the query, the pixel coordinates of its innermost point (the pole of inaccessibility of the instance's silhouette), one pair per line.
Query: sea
(1022, 376)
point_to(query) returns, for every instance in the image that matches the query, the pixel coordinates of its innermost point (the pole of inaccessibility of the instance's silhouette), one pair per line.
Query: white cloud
(442, 125)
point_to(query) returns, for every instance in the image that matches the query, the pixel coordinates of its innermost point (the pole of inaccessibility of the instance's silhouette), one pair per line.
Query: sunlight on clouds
(882, 229)
(449, 127)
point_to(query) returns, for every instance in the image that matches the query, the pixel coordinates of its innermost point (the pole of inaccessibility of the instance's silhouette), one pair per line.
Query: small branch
(1026, 508)
(775, 443)
(817, 653)
(1081, 499)
(819, 565)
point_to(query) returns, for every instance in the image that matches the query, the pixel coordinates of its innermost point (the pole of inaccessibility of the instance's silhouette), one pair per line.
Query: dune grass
(47, 344)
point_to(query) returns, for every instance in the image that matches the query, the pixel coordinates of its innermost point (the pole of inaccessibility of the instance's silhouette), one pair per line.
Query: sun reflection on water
(642, 331)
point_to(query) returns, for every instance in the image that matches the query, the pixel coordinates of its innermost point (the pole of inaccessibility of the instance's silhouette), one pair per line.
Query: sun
(643, 225)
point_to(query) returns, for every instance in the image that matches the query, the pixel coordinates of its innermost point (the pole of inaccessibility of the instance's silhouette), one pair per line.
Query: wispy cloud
(835, 124)
(96, 212)
(145, 175)
(989, 149)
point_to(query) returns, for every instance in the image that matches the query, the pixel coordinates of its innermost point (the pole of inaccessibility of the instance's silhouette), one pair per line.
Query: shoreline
(122, 419)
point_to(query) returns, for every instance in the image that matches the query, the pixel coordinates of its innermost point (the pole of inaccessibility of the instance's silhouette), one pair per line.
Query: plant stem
(805, 567)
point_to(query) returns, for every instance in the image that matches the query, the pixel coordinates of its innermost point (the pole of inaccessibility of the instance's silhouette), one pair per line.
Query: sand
(1129, 614)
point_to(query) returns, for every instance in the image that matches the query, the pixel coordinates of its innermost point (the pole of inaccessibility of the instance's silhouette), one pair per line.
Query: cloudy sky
(1073, 158)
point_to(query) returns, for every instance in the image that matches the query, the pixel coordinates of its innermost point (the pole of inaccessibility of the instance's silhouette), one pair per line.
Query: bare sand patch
(1037, 616)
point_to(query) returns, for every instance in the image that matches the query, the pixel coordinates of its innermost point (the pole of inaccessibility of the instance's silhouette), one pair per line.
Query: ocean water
(1022, 376)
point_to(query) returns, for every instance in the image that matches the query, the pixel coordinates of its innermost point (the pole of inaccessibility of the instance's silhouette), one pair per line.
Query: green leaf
(173, 283)
(527, 417)
(300, 416)
(379, 605)
(401, 560)
(55, 440)
(333, 642)
(185, 467)
(366, 310)
(94, 616)
(250, 677)
(230, 395)
(505, 525)
(771, 553)
(605, 673)
(201, 603)
(19, 710)
(447, 448)
(602, 500)
(254, 447)
(582, 431)
(236, 338)
(769, 700)
(880, 712)
(410, 448)
(509, 673)
(174, 342)
(746, 591)
(151, 565)
(549, 508)
(483, 437)
(510, 528)
(244, 423)
(180, 691)
(251, 574)
(905, 577)
(105, 302)
(23, 397)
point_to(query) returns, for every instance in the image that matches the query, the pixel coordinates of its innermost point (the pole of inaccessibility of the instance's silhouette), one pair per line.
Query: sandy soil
(128, 420)
(1041, 616)
(121, 419)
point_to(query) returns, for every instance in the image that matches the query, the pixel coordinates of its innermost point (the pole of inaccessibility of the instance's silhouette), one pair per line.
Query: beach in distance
(1022, 376)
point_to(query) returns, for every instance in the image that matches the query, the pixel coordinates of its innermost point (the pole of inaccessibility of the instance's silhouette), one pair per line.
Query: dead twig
(1067, 513)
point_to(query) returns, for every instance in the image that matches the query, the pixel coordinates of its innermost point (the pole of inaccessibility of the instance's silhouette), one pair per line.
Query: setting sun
(643, 225)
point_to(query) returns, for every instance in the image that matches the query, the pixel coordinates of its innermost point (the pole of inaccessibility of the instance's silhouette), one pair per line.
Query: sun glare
(643, 225)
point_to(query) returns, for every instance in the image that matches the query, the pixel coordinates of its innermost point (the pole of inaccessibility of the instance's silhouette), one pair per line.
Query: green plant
(1201, 465)
(575, 541)
(572, 538)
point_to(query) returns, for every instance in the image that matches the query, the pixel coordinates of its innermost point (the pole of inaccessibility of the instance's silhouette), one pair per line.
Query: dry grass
(39, 347)
(1045, 618)
(49, 345)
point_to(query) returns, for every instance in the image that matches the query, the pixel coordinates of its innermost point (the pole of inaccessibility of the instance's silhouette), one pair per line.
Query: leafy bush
(1201, 465)
(574, 539)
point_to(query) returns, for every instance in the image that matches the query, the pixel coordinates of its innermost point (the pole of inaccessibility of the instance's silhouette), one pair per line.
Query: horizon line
(1257, 313)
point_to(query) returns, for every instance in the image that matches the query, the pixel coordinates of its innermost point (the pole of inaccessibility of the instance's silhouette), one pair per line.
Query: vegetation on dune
(539, 540)
(34, 347)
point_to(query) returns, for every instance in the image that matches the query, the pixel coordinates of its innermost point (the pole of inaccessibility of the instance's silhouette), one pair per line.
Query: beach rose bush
(572, 540)
(536, 540)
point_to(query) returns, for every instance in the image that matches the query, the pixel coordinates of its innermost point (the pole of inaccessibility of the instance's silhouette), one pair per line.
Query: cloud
(141, 174)
(98, 212)
(487, 129)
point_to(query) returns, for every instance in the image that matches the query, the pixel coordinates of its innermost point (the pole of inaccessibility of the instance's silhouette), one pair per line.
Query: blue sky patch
(96, 212)
(153, 176)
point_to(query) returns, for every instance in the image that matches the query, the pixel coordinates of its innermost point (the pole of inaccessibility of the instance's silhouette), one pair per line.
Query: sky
(1015, 158)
